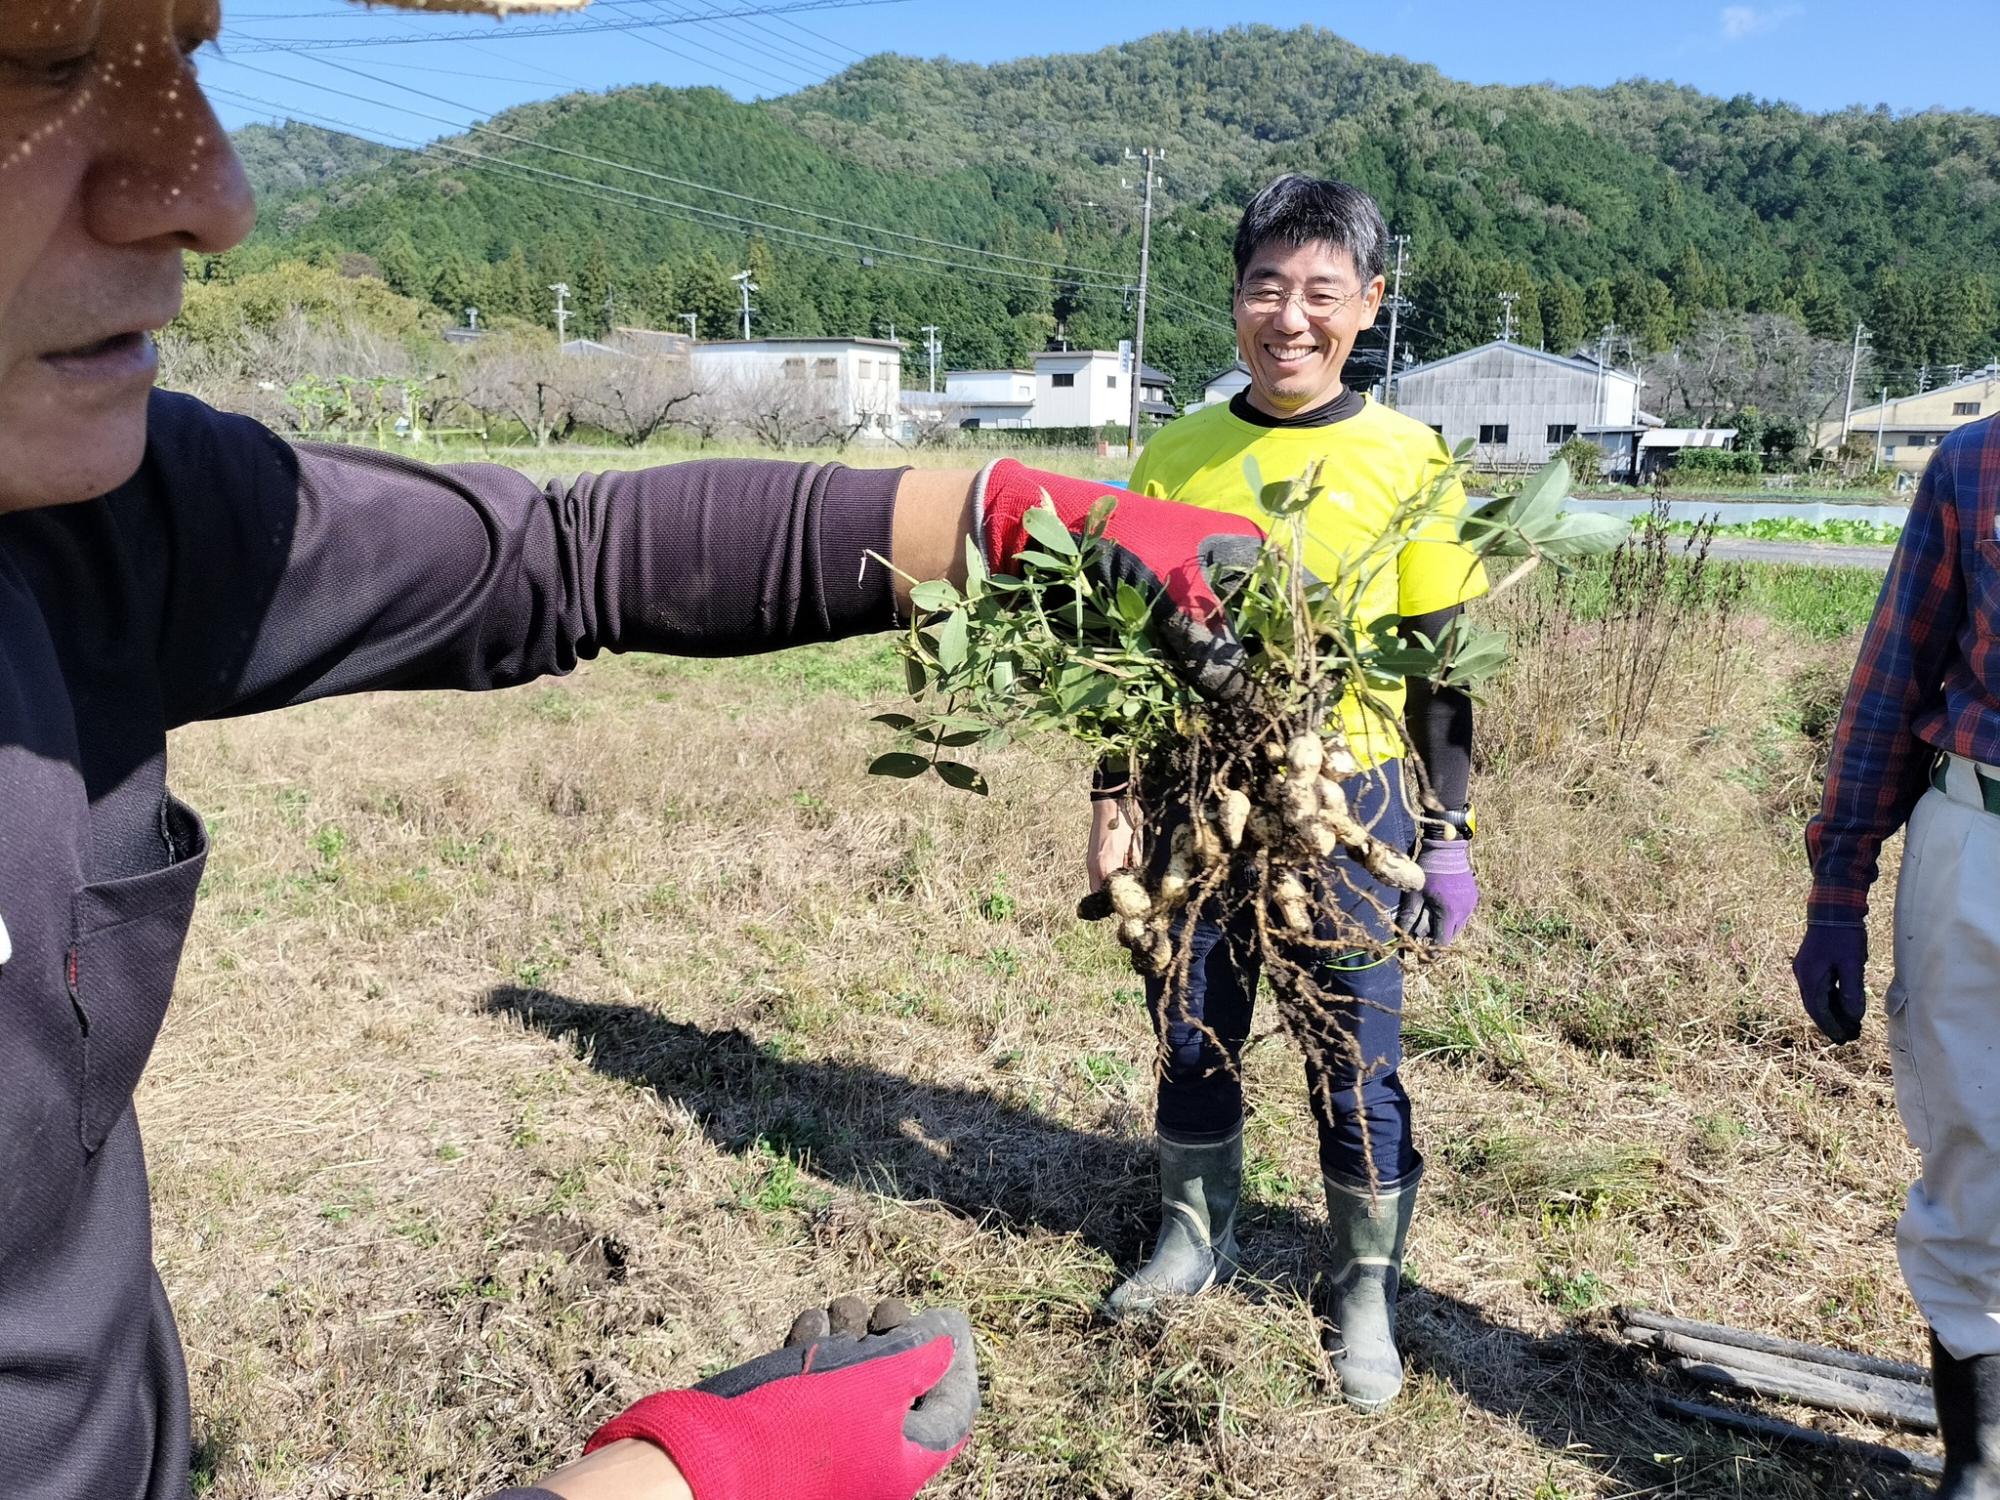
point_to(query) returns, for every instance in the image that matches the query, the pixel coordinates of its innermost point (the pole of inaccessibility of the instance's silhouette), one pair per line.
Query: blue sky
(1823, 54)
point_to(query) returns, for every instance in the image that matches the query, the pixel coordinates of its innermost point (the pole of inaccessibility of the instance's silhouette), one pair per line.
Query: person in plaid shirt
(1919, 739)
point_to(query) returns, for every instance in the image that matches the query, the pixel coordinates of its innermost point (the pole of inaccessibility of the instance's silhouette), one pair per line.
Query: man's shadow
(1011, 1168)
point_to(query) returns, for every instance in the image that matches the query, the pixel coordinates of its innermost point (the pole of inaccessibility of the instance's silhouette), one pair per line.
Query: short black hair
(1298, 210)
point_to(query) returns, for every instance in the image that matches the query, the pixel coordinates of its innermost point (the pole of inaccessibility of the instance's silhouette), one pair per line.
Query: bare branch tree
(785, 412)
(633, 398)
(523, 380)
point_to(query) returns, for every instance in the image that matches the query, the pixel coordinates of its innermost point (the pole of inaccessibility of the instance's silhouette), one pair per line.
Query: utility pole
(1923, 377)
(933, 347)
(1507, 301)
(1149, 155)
(1853, 365)
(1881, 419)
(472, 319)
(1395, 307)
(1603, 354)
(561, 289)
(693, 321)
(746, 286)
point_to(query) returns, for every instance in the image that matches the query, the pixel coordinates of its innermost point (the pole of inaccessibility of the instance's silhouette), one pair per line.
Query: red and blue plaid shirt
(1929, 674)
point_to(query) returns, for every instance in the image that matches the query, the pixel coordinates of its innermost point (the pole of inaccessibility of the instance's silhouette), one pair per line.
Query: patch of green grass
(997, 905)
(1553, 1179)
(1480, 1025)
(1827, 604)
(776, 1183)
(1574, 1292)
(1106, 1068)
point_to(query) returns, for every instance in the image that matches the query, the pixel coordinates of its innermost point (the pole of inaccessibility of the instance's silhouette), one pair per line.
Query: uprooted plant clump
(1256, 788)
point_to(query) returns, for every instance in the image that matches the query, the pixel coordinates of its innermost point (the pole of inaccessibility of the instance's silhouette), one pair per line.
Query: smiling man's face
(1298, 311)
(111, 165)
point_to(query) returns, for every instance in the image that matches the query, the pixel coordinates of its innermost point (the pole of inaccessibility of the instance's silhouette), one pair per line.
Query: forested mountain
(283, 159)
(1641, 205)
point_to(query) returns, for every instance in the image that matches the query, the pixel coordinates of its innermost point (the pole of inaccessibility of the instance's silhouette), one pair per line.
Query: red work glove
(1160, 547)
(852, 1408)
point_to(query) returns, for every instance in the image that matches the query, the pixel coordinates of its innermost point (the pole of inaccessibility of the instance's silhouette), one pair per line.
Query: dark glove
(1829, 968)
(1441, 909)
(854, 1407)
(1160, 547)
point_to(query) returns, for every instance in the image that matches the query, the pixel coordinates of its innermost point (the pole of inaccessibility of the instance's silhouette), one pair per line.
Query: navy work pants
(1358, 1099)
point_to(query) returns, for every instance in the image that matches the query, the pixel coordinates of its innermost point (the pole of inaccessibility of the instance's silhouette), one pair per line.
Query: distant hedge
(1718, 463)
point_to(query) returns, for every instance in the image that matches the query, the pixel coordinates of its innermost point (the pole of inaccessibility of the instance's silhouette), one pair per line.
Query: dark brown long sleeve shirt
(234, 574)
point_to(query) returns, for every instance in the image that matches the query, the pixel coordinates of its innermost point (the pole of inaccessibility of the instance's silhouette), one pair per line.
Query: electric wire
(520, 31)
(607, 193)
(1086, 276)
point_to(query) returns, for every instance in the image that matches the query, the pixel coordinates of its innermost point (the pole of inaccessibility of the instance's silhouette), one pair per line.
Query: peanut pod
(1288, 895)
(1233, 815)
(1128, 896)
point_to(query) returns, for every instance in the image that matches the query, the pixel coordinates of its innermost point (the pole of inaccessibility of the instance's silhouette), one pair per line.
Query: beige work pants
(1944, 1028)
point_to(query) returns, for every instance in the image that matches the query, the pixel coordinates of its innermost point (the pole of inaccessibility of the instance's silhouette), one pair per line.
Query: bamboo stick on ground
(1764, 1343)
(1825, 1394)
(1867, 1393)
(1754, 1425)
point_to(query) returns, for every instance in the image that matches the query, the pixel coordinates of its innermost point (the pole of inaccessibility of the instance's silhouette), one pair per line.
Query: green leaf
(898, 722)
(1478, 660)
(976, 571)
(899, 764)
(915, 678)
(1100, 515)
(953, 640)
(1582, 533)
(934, 596)
(964, 777)
(1003, 675)
(1042, 562)
(1046, 527)
(1132, 606)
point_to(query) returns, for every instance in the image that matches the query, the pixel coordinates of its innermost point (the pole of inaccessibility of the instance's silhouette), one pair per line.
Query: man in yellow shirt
(1308, 281)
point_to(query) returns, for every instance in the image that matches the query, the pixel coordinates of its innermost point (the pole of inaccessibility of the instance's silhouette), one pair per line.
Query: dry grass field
(541, 1049)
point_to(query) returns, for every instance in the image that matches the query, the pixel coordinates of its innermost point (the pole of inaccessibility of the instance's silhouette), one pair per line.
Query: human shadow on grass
(1010, 1167)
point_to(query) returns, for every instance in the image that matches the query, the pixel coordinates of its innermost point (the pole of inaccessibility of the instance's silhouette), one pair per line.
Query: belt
(1989, 788)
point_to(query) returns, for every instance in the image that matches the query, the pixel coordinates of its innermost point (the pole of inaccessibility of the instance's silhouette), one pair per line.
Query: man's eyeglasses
(1264, 301)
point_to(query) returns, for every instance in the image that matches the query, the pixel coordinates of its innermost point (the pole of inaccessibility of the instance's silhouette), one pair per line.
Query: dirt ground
(539, 1050)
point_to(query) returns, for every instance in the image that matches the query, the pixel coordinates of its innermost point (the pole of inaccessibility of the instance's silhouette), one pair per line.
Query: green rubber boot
(1199, 1188)
(1369, 1232)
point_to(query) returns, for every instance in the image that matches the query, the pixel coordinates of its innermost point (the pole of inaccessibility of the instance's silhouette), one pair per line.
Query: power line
(784, 84)
(805, 53)
(1078, 276)
(787, 22)
(608, 193)
(804, 77)
(539, 29)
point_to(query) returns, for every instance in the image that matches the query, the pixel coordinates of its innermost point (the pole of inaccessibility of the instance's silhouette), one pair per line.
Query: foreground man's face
(111, 165)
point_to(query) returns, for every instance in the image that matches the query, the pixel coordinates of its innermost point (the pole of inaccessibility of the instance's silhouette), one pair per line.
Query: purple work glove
(1828, 968)
(1441, 909)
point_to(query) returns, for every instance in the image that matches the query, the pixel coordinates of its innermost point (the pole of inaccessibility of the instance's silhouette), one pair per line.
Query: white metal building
(861, 379)
(992, 398)
(1220, 388)
(1091, 388)
(1518, 405)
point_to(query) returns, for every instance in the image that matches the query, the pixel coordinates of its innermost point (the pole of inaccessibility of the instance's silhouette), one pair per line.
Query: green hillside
(291, 158)
(1641, 204)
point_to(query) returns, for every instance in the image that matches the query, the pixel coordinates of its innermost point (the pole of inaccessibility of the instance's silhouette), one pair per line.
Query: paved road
(1812, 554)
